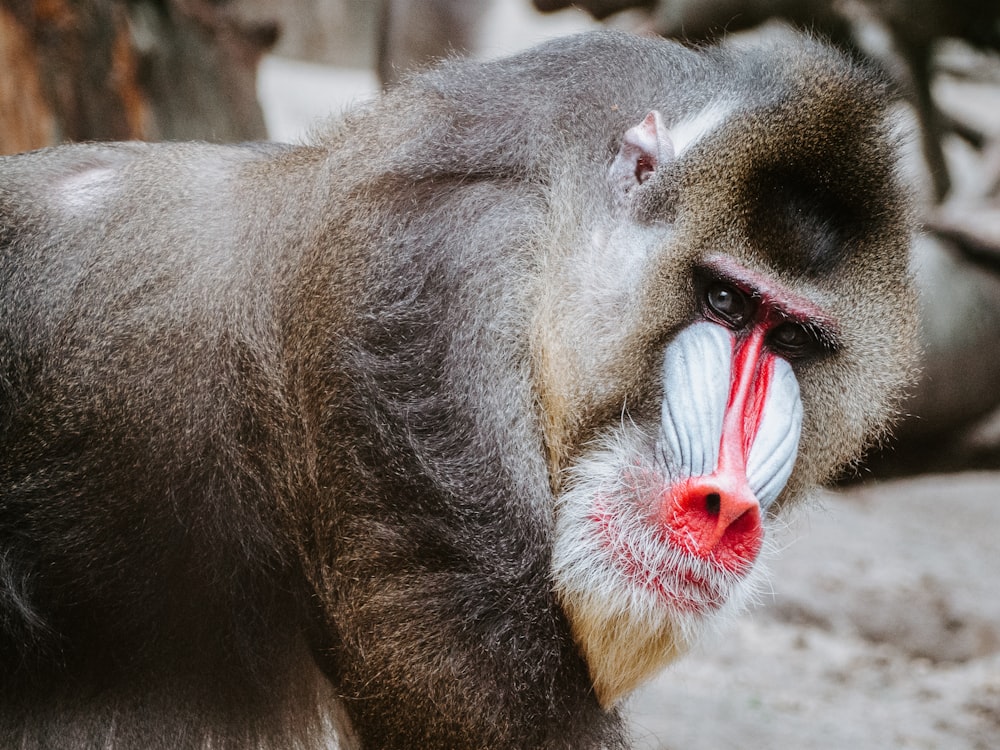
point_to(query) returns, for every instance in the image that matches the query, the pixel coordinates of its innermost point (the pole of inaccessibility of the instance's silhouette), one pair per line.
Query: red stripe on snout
(751, 380)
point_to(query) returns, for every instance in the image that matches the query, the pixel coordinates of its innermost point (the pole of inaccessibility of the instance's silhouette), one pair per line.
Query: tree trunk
(75, 70)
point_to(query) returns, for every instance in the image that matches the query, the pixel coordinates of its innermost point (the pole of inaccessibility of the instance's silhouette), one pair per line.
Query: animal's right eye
(728, 303)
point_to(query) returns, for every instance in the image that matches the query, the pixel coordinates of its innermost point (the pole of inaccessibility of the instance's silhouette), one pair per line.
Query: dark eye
(729, 303)
(792, 338)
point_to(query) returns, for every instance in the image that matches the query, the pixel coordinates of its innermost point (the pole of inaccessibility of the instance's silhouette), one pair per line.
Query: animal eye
(729, 303)
(792, 338)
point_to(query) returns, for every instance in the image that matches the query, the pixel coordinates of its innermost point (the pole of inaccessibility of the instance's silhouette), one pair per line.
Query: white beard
(634, 600)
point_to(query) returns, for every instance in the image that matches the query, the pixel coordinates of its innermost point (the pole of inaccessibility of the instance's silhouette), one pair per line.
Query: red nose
(716, 518)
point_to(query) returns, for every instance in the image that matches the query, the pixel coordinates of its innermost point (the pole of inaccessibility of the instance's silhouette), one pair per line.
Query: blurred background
(882, 629)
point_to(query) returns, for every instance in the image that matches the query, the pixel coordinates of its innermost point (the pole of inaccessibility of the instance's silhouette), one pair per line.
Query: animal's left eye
(730, 304)
(792, 338)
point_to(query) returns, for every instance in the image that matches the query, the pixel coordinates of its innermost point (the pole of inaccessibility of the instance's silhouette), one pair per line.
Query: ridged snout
(729, 434)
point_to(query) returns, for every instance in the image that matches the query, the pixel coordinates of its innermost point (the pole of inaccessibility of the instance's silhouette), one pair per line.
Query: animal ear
(644, 148)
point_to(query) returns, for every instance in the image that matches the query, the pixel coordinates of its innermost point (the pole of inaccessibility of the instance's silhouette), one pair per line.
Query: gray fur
(270, 427)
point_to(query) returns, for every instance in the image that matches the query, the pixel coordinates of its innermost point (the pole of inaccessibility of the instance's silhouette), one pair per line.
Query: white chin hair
(634, 602)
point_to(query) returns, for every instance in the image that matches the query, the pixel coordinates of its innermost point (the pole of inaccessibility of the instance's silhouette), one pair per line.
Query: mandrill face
(660, 530)
(663, 502)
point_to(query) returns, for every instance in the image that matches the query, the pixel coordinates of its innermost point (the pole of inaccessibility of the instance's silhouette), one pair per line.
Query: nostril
(716, 518)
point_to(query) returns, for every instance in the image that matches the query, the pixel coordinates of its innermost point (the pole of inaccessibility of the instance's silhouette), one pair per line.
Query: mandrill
(449, 428)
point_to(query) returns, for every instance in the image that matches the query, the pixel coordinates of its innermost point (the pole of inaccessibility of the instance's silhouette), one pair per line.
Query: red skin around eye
(778, 302)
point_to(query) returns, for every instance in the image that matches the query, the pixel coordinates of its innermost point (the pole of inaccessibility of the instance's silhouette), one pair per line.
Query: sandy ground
(883, 631)
(883, 627)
